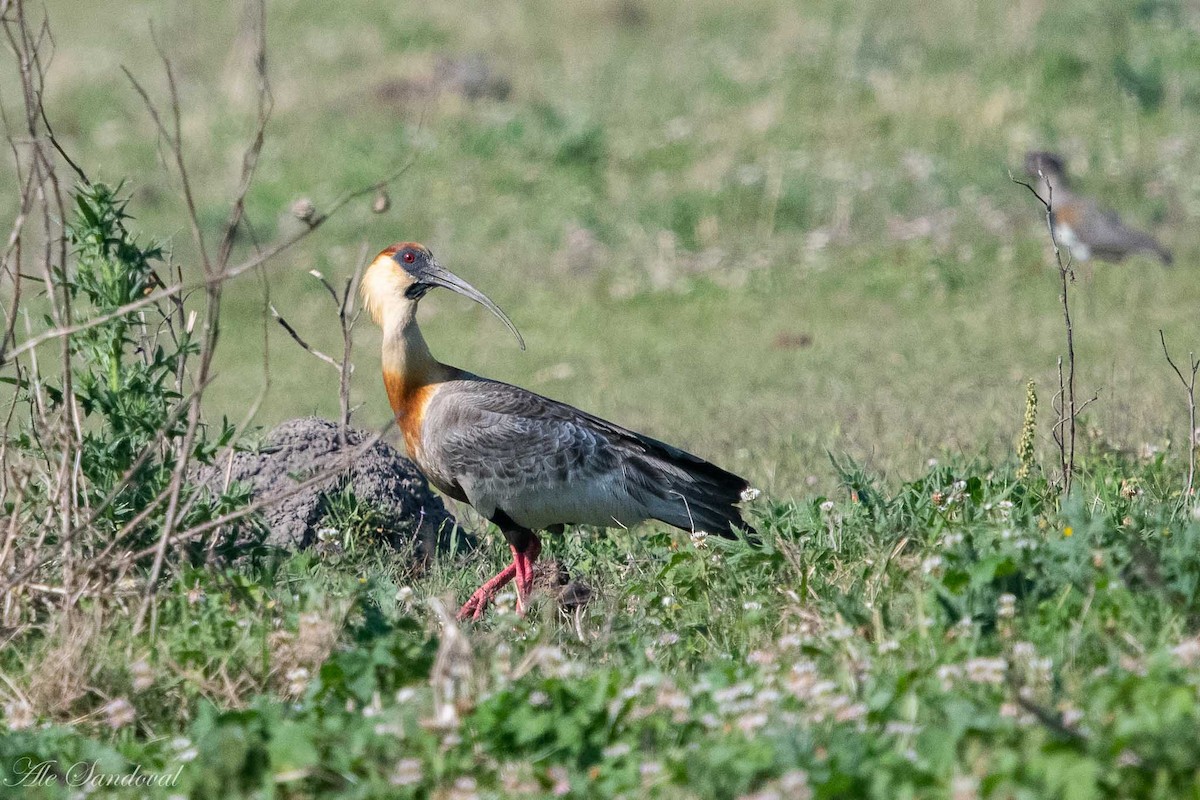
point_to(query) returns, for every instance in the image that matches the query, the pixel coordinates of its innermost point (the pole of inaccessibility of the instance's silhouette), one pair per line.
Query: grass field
(768, 232)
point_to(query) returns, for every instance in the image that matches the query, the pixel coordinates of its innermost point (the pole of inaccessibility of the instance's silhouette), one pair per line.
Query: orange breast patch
(1067, 214)
(409, 404)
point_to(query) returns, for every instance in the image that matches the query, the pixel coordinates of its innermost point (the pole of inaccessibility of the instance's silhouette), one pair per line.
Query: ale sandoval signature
(27, 772)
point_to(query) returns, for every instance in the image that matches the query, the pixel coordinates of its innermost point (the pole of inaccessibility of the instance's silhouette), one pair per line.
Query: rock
(380, 478)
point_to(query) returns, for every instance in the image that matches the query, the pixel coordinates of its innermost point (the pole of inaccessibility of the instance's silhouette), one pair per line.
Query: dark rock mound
(379, 477)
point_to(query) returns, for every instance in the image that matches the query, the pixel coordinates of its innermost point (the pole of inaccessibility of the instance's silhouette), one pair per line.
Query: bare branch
(300, 341)
(1189, 385)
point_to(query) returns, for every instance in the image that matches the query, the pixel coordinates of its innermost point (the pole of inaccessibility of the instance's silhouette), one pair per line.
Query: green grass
(745, 138)
(802, 240)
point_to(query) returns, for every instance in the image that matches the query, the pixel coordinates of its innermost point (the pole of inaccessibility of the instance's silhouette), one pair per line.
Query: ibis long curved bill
(437, 275)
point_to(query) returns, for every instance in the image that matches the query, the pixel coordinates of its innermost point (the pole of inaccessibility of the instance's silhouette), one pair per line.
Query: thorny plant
(109, 348)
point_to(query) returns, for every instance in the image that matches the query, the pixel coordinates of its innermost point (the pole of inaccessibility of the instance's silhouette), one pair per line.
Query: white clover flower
(841, 633)
(119, 713)
(948, 674)
(699, 540)
(18, 715)
(669, 638)
(795, 785)
(761, 658)
(1071, 716)
(751, 605)
(851, 713)
(790, 641)
(143, 675)
(616, 750)
(827, 506)
(297, 680)
(1006, 606)
(1188, 652)
(986, 670)
(1024, 651)
(930, 564)
(408, 772)
(964, 787)
(749, 723)
(404, 594)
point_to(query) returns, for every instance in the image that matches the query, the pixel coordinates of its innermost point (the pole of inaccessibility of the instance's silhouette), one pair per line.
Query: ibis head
(401, 275)
(1040, 163)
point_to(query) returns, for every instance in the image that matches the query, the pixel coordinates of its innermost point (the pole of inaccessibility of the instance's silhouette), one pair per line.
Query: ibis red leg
(521, 569)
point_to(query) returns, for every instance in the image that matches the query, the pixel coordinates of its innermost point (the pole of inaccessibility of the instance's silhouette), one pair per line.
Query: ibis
(523, 461)
(1080, 223)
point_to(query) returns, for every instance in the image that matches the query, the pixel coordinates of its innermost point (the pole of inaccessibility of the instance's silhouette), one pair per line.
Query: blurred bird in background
(1080, 223)
(523, 461)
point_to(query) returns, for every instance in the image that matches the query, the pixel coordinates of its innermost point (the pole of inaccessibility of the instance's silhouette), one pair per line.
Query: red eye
(409, 257)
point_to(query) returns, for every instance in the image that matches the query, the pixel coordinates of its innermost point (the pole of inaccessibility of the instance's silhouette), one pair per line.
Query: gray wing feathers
(1108, 236)
(545, 463)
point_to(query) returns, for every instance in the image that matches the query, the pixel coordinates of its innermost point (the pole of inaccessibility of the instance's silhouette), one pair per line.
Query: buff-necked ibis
(523, 461)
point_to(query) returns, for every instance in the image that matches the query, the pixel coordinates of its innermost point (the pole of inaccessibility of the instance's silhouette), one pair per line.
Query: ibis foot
(520, 569)
(474, 607)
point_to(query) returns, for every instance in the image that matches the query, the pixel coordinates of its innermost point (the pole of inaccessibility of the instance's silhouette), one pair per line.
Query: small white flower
(986, 670)
(118, 713)
(749, 723)
(408, 772)
(841, 633)
(930, 564)
(18, 715)
(617, 751)
(404, 594)
(751, 605)
(948, 674)
(851, 712)
(1006, 606)
(143, 675)
(297, 680)
(699, 540)
(1188, 652)
(964, 787)
(827, 506)
(539, 699)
